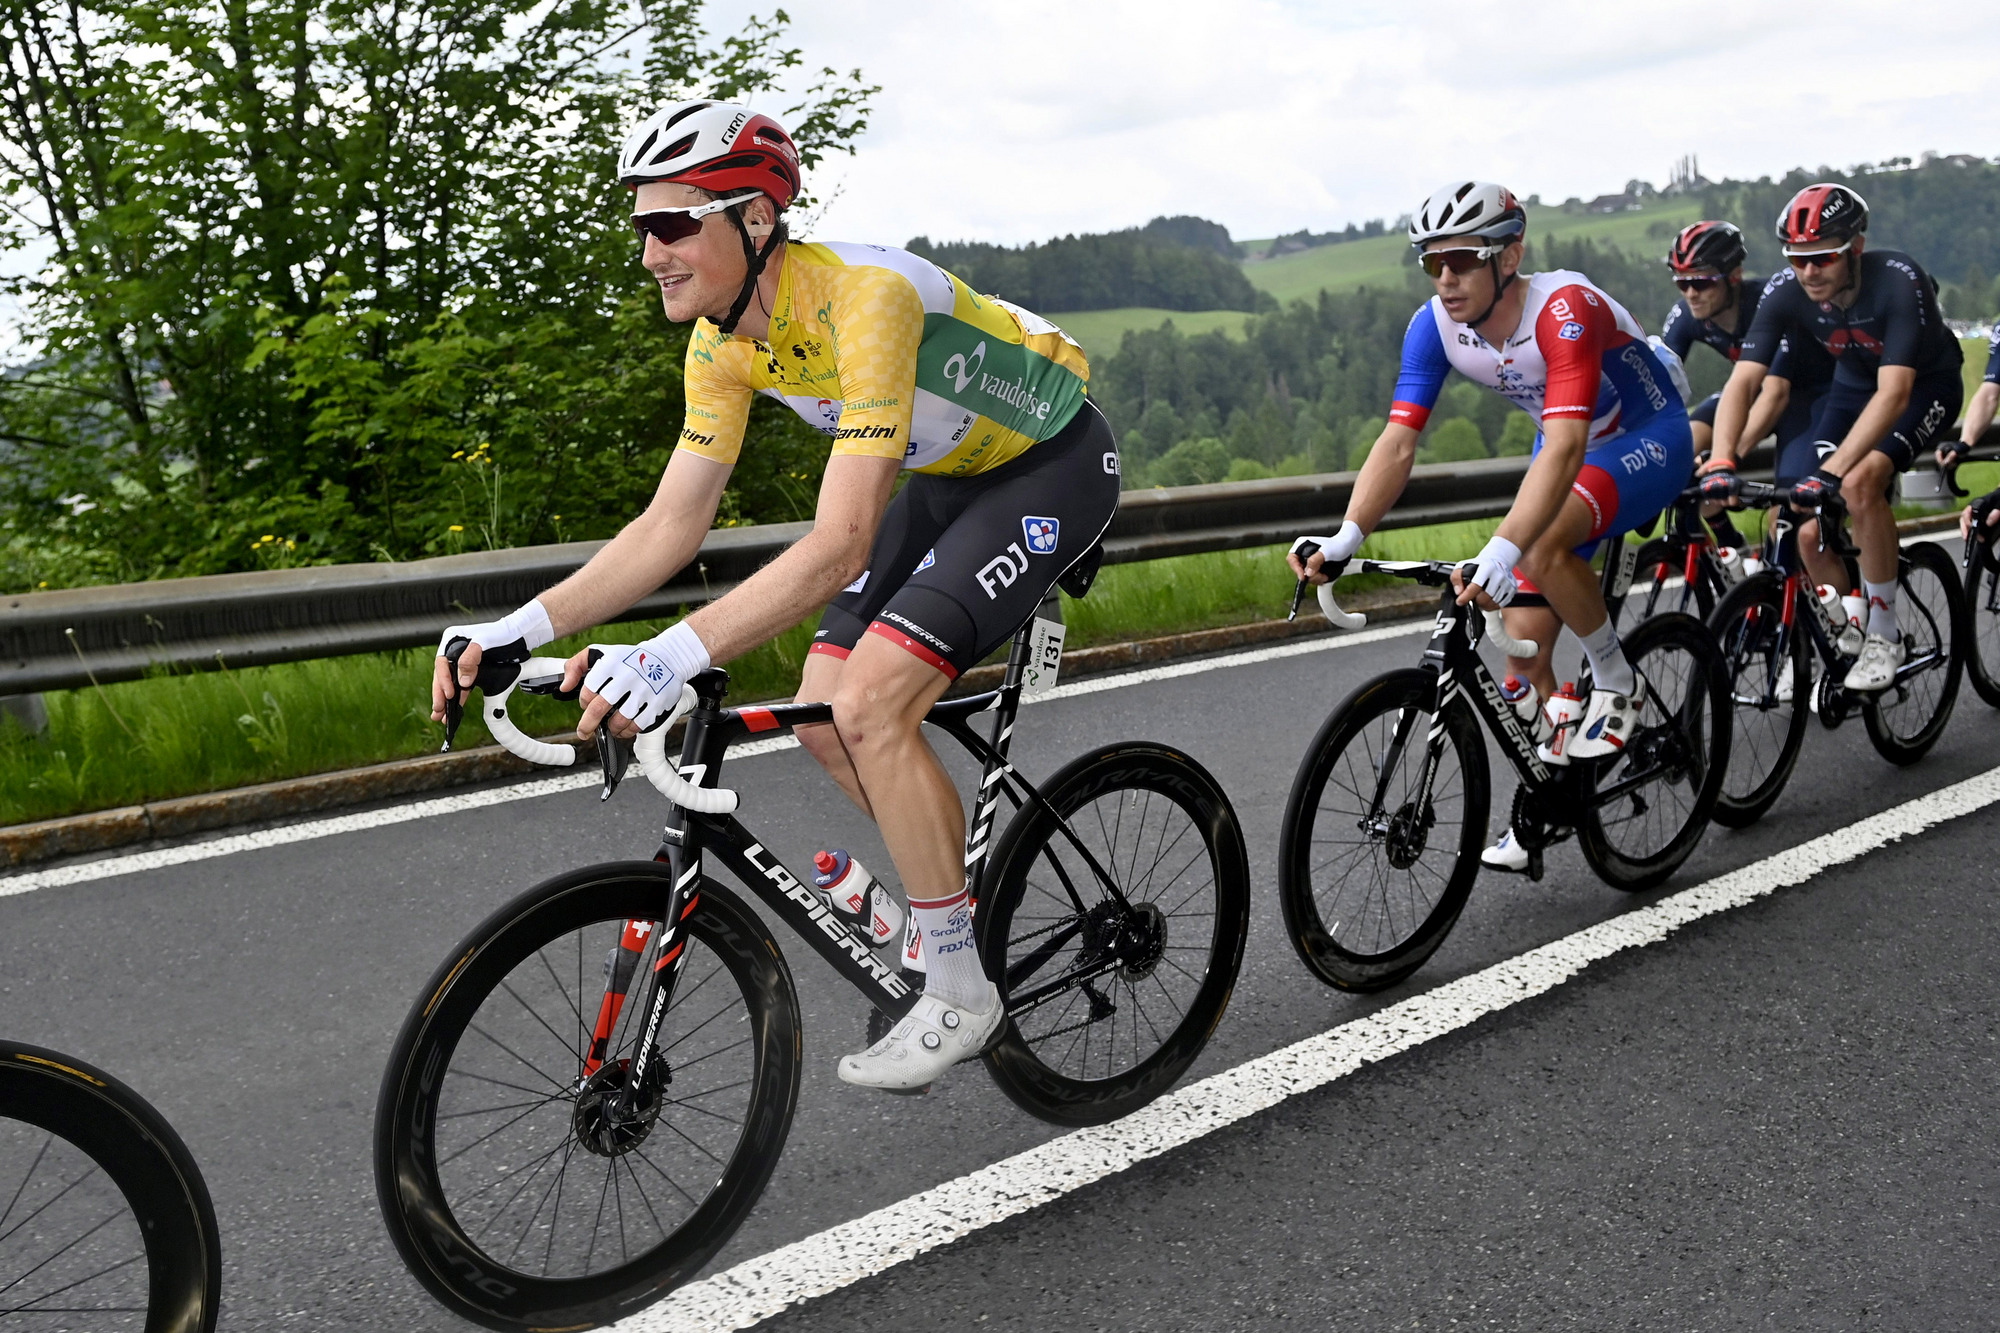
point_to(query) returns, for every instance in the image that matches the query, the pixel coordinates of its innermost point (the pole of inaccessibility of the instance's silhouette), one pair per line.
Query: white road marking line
(756, 1289)
(308, 830)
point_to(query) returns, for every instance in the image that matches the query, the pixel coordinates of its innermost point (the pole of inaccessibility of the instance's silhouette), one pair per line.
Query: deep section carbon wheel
(1650, 803)
(1373, 869)
(1113, 988)
(515, 1191)
(105, 1222)
(1770, 683)
(1982, 629)
(1905, 720)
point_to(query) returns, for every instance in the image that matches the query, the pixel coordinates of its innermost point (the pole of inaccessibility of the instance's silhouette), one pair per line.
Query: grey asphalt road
(1776, 1120)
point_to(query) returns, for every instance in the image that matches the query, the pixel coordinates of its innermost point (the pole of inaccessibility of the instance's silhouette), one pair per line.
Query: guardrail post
(29, 710)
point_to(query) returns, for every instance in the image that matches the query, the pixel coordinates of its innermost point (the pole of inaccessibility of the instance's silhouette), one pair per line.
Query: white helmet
(720, 146)
(1469, 208)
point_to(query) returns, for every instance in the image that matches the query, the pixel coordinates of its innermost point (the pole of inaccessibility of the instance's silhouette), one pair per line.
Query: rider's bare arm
(648, 551)
(1546, 488)
(1770, 405)
(1383, 476)
(1979, 412)
(1732, 414)
(814, 569)
(1892, 394)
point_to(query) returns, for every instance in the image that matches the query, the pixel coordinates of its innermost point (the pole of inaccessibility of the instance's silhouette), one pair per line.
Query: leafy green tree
(307, 261)
(1191, 463)
(1517, 436)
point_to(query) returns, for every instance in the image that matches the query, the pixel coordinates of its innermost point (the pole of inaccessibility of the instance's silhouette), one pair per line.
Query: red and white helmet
(1469, 208)
(718, 146)
(1822, 214)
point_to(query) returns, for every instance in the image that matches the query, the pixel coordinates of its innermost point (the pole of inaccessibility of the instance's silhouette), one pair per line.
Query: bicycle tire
(1385, 960)
(1696, 745)
(132, 1143)
(1982, 630)
(1659, 560)
(1144, 780)
(1749, 789)
(1930, 609)
(421, 1212)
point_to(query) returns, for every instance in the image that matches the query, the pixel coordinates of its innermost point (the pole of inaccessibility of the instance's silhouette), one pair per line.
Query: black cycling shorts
(1934, 403)
(960, 563)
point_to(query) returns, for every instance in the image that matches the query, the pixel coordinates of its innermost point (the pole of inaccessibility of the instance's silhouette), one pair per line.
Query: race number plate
(1045, 645)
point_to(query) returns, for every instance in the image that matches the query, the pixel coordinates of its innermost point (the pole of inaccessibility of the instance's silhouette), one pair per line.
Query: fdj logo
(1040, 534)
(1655, 450)
(1001, 571)
(962, 368)
(1570, 332)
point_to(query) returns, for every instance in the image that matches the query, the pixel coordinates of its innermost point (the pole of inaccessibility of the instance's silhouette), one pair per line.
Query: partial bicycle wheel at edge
(1906, 720)
(105, 1222)
(1110, 1001)
(499, 1188)
(1371, 888)
(1982, 630)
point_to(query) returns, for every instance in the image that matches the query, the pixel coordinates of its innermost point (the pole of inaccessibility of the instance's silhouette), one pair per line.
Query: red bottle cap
(824, 861)
(1511, 683)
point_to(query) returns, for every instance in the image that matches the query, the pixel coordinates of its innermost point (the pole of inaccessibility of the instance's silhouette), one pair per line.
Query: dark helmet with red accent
(1822, 215)
(716, 146)
(1716, 245)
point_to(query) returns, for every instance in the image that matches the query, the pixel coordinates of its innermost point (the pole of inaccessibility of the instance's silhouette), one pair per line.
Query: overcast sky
(1019, 120)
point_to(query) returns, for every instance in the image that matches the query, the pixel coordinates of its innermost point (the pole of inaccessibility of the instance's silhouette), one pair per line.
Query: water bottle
(1753, 564)
(1844, 617)
(1734, 567)
(857, 897)
(1563, 714)
(1527, 706)
(1856, 607)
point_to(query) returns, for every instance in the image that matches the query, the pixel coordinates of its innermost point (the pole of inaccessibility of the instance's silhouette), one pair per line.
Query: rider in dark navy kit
(1717, 307)
(1978, 416)
(1896, 389)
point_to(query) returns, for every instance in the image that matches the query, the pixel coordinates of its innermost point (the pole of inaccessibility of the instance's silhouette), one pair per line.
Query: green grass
(1100, 331)
(175, 735)
(1975, 364)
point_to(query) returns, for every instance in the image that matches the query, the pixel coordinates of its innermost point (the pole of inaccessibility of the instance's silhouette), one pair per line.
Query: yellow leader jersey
(892, 357)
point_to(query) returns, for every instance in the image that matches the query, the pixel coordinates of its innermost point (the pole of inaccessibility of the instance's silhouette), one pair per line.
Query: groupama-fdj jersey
(1894, 321)
(892, 357)
(1577, 355)
(1804, 364)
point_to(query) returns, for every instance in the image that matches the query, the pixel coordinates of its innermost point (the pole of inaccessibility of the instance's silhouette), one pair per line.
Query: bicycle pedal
(924, 1091)
(1534, 871)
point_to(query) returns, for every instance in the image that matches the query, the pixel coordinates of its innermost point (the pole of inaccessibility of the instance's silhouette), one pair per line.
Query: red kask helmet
(1821, 215)
(720, 147)
(1716, 245)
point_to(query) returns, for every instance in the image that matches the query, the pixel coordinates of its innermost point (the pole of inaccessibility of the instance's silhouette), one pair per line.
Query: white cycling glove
(528, 626)
(1493, 570)
(1339, 548)
(643, 681)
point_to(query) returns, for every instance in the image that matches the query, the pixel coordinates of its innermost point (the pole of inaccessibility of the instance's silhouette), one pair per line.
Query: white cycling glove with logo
(1493, 570)
(643, 681)
(528, 627)
(1339, 548)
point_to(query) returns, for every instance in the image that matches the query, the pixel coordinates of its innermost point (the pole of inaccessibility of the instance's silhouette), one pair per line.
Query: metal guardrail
(67, 639)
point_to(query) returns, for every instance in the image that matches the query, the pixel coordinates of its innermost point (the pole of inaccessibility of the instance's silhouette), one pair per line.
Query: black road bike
(1388, 813)
(1773, 636)
(105, 1221)
(1982, 603)
(592, 1091)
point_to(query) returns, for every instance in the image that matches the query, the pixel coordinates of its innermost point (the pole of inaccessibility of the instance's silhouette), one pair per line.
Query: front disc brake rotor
(601, 1126)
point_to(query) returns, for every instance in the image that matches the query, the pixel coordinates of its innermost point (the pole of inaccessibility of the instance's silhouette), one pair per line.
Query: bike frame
(689, 836)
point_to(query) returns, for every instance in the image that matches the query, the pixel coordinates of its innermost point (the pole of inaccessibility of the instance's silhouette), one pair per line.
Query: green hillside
(1378, 262)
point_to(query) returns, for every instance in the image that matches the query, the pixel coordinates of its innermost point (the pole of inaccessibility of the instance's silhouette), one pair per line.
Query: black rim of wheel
(1982, 656)
(1909, 716)
(105, 1222)
(1766, 728)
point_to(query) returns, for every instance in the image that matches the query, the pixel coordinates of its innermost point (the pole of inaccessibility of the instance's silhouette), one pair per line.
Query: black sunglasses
(668, 225)
(1698, 284)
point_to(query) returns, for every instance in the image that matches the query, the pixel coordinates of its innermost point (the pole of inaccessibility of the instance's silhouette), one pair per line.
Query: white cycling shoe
(925, 1042)
(1609, 721)
(1506, 854)
(1876, 668)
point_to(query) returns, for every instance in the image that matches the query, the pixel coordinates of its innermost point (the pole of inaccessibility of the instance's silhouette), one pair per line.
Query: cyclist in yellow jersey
(1015, 477)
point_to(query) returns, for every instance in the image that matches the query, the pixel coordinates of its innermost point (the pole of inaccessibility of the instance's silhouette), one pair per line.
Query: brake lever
(1305, 552)
(454, 704)
(1950, 474)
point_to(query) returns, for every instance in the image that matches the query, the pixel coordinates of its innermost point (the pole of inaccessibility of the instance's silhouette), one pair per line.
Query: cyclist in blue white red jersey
(1612, 452)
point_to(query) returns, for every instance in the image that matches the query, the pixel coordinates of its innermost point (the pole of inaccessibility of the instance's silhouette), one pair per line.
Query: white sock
(1882, 610)
(955, 975)
(1608, 668)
